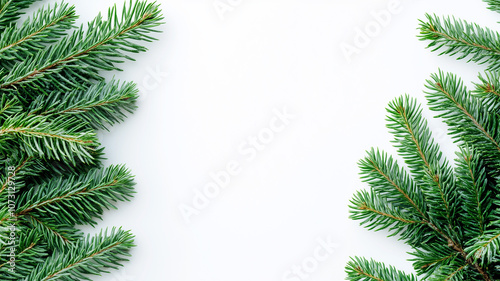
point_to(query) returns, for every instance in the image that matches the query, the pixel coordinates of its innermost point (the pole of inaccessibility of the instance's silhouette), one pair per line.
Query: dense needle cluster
(53, 99)
(448, 212)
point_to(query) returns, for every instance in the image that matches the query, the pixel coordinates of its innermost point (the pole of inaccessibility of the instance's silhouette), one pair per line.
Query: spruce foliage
(448, 212)
(53, 99)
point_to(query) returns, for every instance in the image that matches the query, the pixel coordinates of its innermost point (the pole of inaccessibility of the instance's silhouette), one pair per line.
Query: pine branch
(76, 59)
(15, 171)
(11, 10)
(361, 269)
(486, 248)
(453, 36)
(467, 117)
(393, 183)
(466, 244)
(8, 107)
(415, 144)
(475, 192)
(493, 5)
(28, 254)
(90, 256)
(431, 258)
(58, 139)
(488, 90)
(46, 26)
(56, 234)
(453, 273)
(377, 213)
(52, 101)
(21, 170)
(78, 199)
(54, 168)
(99, 105)
(396, 202)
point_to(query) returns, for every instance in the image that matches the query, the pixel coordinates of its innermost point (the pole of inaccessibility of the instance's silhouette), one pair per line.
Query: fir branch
(8, 107)
(54, 168)
(21, 170)
(11, 10)
(415, 144)
(488, 90)
(89, 256)
(15, 179)
(493, 5)
(46, 26)
(76, 59)
(59, 139)
(486, 248)
(361, 269)
(467, 117)
(99, 105)
(467, 247)
(376, 213)
(393, 183)
(454, 36)
(430, 258)
(78, 199)
(56, 234)
(452, 273)
(475, 192)
(396, 202)
(29, 253)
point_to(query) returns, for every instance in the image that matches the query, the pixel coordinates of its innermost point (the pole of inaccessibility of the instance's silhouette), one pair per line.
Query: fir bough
(447, 212)
(53, 99)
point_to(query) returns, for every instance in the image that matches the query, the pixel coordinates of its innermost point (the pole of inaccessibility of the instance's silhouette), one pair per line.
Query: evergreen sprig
(11, 10)
(455, 36)
(46, 26)
(89, 256)
(361, 269)
(78, 199)
(468, 117)
(77, 58)
(53, 100)
(100, 105)
(448, 214)
(59, 139)
(439, 210)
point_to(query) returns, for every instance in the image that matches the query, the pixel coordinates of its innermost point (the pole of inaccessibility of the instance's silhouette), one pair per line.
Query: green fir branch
(53, 99)
(488, 90)
(493, 5)
(361, 269)
(377, 213)
(393, 183)
(11, 10)
(423, 157)
(404, 205)
(89, 256)
(486, 248)
(29, 252)
(99, 105)
(8, 107)
(45, 27)
(467, 117)
(475, 191)
(453, 36)
(56, 235)
(77, 59)
(78, 199)
(52, 139)
(432, 257)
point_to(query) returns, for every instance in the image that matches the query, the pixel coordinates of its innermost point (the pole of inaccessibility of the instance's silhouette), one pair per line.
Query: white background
(211, 82)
